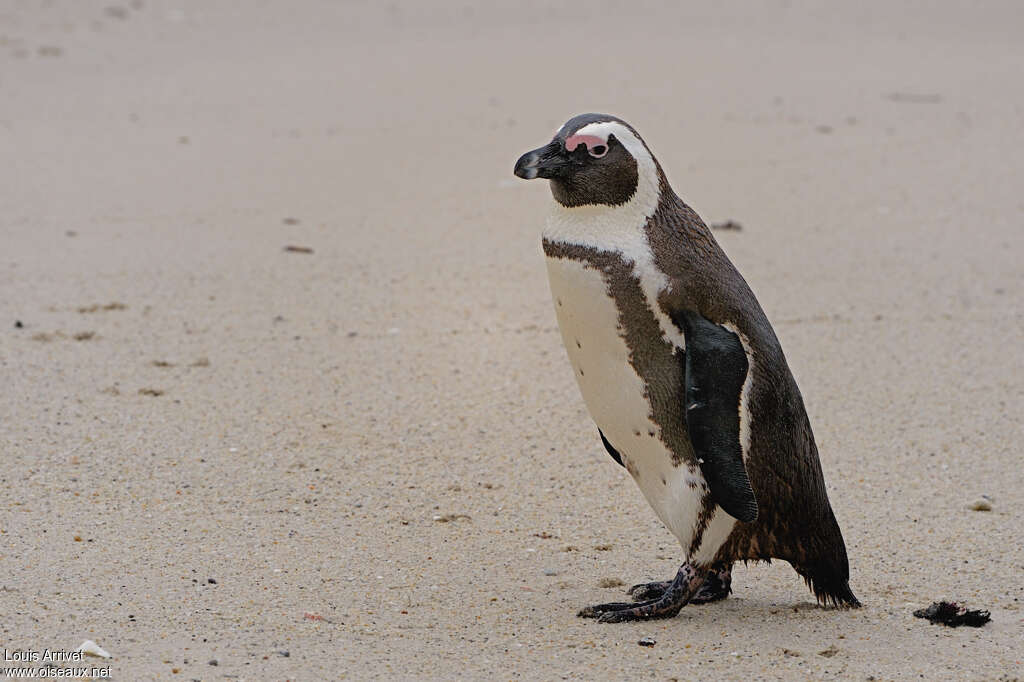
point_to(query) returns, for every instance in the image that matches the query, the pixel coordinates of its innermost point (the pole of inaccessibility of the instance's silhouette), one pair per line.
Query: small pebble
(18, 324)
(647, 641)
(213, 661)
(981, 504)
(550, 571)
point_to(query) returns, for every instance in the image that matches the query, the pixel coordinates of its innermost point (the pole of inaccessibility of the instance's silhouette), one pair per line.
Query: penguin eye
(597, 151)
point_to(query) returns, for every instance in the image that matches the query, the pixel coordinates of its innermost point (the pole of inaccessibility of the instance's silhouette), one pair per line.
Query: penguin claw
(610, 617)
(620, 612)
(597, 610)
(638, 613)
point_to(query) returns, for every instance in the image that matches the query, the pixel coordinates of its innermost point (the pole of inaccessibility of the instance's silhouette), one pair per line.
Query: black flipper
(611, 451)
(716, 367)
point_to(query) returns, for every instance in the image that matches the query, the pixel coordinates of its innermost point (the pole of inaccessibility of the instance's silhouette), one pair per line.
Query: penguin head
(593, 160)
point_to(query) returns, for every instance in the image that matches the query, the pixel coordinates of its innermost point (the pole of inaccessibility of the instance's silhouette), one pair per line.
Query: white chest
(615, 395)
(589, 321)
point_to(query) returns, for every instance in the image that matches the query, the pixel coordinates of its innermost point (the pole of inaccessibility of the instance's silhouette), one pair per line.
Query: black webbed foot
(717, 585)
(678, 593)
(620, 612)
(598, 610)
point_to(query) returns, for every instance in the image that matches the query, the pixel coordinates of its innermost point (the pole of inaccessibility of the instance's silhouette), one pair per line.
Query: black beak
(550, 161)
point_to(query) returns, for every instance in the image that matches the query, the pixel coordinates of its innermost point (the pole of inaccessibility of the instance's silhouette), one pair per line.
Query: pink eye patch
(589, 141)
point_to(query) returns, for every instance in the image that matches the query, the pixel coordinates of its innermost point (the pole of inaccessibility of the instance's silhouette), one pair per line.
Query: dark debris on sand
(727, 225)
(953, 614)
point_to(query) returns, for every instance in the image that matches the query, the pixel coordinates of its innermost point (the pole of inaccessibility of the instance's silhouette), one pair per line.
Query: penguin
(682, 372)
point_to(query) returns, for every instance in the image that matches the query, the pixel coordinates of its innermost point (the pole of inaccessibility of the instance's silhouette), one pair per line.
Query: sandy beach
(284, 396)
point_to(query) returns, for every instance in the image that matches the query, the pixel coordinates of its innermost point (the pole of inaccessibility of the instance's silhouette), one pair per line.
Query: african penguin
(682, 372)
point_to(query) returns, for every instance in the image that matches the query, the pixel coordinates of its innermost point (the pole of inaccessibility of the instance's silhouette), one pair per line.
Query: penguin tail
(830, 590)
(827, 573)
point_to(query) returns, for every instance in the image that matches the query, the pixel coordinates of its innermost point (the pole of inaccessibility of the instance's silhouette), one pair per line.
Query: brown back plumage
(795, 520)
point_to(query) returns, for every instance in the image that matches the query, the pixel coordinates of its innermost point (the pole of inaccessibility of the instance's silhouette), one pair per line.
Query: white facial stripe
(624, 135)
(635, 212)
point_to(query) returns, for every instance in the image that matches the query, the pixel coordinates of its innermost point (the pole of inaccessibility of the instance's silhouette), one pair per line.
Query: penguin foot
(598, 610)
(678, 593)
(649, 591)
(716, 586)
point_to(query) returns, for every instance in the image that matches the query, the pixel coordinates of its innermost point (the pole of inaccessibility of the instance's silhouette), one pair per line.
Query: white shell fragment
(91, 648)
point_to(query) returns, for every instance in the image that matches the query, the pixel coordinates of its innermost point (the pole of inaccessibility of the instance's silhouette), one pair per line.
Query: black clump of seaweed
(954, 615)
